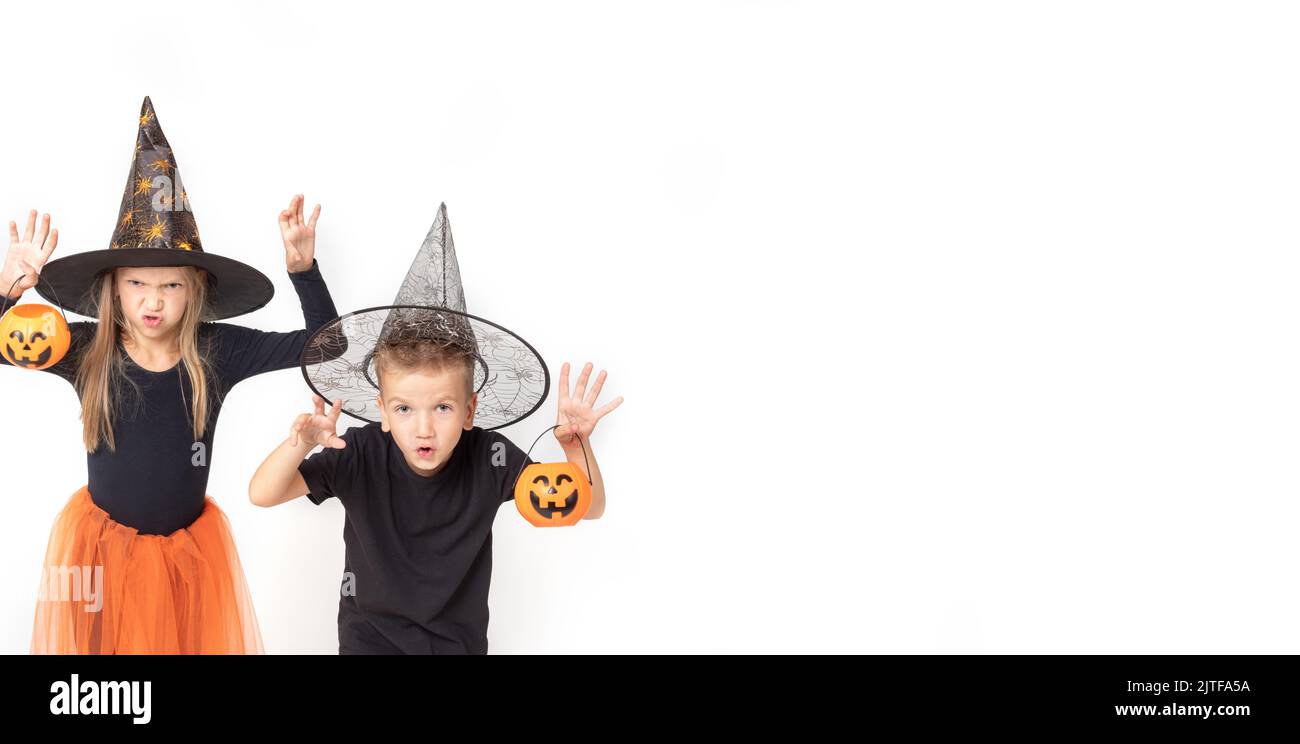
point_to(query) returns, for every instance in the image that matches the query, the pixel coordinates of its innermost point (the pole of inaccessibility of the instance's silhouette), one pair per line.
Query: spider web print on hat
(155, 227)
(509, 375)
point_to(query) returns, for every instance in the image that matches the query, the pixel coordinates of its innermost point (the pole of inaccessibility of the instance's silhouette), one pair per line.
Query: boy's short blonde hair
(412, 356)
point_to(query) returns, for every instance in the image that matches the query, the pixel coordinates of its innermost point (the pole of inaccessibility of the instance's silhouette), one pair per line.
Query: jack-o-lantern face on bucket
(553, 494)
(34, 336)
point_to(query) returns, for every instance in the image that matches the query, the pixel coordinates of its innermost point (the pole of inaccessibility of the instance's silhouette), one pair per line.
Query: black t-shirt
(157, 479)
(418, 549)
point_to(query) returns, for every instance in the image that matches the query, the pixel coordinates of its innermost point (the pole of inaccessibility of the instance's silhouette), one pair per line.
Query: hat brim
(337, 363)
(235, 288)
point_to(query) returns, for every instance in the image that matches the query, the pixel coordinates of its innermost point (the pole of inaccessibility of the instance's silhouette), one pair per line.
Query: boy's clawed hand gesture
(318, 427)
(576, 415)
(299, 235)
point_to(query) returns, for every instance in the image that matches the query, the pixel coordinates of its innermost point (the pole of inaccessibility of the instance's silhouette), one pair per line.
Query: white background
(942, 327)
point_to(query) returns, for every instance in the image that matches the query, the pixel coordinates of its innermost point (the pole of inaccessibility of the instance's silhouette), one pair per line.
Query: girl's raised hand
(299, 235)
(27, 254)
(576, 415)
(318, 427)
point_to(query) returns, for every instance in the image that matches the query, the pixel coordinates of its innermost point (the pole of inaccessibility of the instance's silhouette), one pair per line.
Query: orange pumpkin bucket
(553, 494)
(34, 335)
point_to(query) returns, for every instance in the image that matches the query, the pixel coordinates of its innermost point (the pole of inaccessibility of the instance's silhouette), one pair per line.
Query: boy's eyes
(404, 409)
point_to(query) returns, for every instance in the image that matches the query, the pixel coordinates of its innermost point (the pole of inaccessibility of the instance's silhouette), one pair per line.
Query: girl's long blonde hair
(102, 372)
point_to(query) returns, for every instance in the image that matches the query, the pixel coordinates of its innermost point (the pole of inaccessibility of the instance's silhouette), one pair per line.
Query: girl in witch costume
(153, 553)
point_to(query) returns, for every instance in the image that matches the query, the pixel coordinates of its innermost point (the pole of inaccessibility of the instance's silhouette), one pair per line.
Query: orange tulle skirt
(107, 589)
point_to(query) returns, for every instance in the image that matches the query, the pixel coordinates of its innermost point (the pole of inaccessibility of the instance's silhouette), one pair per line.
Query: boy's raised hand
(299, 235)
(27, 254)
(318, 427)
(576, 415)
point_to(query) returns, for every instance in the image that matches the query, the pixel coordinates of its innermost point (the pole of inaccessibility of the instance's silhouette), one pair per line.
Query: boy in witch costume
(421, 482)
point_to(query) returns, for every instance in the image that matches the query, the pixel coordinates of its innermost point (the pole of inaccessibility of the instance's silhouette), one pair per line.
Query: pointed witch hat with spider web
(509, 375)
(155, 227)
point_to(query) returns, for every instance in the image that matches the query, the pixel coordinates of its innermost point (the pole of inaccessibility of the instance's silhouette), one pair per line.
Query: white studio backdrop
(942, 327)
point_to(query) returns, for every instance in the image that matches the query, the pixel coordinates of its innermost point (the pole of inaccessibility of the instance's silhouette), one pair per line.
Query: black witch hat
(509, 376)
(155, 227)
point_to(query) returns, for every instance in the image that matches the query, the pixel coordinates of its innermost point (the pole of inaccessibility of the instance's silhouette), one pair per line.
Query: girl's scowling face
(425, 411)
(153, 300)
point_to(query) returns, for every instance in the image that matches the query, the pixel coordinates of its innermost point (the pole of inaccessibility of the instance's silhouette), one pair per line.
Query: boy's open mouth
(424, 451)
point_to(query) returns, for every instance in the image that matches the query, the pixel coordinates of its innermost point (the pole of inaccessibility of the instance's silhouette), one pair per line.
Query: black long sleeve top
(157, 479)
